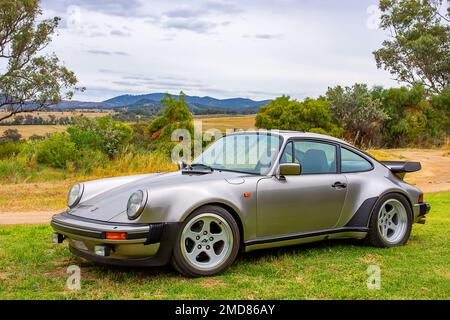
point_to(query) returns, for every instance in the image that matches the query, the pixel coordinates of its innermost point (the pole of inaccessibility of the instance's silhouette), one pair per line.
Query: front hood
(113, 201)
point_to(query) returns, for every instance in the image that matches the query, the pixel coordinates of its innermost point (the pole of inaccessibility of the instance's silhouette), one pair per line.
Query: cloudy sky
(223, 48)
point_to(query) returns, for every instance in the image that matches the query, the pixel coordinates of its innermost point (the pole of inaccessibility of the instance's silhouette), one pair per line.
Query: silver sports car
(247, 191)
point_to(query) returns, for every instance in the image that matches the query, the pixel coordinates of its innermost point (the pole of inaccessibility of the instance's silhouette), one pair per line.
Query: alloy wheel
(392, 221)
(206, 241)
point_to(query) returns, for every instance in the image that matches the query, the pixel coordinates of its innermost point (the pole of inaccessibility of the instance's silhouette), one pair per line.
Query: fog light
(57, 238)
(102, 251)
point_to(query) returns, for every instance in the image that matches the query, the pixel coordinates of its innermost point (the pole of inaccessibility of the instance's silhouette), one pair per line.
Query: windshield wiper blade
(200, 165)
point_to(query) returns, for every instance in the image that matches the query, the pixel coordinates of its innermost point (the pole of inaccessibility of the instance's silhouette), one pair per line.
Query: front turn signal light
(116, 236)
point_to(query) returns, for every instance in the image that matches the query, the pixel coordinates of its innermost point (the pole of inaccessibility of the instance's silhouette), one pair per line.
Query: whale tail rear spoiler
(400, 168)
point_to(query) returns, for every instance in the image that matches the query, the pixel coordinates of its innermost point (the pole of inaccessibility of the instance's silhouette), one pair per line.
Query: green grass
(33, 268)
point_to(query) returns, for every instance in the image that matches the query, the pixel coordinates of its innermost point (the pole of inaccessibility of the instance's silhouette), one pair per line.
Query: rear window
(352, 162)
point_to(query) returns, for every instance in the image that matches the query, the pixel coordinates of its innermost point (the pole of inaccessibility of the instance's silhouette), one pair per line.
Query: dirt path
(434, 177)
(435, 173)
(13, 218)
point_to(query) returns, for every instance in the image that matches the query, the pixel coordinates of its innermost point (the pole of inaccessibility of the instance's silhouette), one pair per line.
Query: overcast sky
(257, 48)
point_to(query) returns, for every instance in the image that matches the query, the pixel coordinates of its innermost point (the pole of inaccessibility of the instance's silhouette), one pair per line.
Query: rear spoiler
(400, 168)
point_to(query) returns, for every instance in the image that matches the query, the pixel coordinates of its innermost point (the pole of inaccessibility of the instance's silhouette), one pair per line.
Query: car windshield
(248, 153)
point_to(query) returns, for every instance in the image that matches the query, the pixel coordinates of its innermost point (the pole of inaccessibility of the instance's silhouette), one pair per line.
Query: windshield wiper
(197, 166)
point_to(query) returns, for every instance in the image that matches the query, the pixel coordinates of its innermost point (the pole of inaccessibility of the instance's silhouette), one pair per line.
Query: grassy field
(216, 122)
(226, 122)
(33, 268)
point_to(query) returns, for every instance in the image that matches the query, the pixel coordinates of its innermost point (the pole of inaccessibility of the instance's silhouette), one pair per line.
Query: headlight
(136, 204)
(74, 196)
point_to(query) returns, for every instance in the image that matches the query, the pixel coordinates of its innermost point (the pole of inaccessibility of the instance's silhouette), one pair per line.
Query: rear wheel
(207, 244)
(391, 222)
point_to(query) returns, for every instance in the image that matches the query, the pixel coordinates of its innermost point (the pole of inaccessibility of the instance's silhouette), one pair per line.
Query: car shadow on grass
(117, 273)
(302, 249)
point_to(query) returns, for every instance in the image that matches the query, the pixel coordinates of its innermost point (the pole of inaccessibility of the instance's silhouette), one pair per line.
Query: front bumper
(144, 245)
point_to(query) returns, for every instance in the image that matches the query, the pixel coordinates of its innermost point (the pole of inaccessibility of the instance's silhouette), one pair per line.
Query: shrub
(309, 115)
(55, 151)
(11, 135)
(104, 134)
(356, 110)
(414, 119)
(10, 149)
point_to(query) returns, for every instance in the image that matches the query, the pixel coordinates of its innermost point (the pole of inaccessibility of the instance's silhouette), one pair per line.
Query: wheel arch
(230, 209)
(364, 213)
(393, 192)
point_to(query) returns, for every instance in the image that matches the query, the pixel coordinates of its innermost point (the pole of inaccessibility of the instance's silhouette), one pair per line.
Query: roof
(288, 134)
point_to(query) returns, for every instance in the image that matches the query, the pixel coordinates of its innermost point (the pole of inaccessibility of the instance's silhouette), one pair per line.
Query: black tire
(179, 262)
(374, 238)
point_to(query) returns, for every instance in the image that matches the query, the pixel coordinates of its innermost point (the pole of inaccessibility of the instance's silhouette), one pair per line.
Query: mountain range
(197, 105)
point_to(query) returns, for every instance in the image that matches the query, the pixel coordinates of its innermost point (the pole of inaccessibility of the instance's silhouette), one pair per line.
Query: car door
(309, 202)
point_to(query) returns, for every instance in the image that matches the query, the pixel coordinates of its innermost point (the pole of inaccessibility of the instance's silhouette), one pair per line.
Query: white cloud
(257, 49)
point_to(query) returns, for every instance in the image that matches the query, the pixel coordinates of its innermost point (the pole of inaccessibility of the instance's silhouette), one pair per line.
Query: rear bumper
(145, 244)
(424, 208)
(421, 210)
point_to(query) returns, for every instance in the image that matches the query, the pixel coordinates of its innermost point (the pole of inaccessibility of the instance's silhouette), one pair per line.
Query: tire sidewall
(374, 221)
(185, 267)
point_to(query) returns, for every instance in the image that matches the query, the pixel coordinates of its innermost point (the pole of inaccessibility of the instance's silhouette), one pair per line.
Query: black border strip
(304, 235)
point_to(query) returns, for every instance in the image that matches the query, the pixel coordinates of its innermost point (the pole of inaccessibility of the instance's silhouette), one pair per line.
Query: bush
(356, 110)
(414, 118)
(13, 170)
(55, 151)
(309, 116)
(104, 134)
(10, 149)
(11, 135)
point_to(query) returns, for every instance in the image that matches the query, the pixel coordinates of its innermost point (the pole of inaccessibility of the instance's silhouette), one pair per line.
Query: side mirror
(182, 165)
(290, 169)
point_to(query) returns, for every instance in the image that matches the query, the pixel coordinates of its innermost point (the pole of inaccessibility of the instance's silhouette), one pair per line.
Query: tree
(357, 112)
(29, 81)
(414, 119)
(176, 115)
(11, 135)
(286, 114)
(419, 47)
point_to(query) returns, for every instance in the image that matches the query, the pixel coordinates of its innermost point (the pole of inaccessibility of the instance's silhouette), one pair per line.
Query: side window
(351, 162)
(315, 157)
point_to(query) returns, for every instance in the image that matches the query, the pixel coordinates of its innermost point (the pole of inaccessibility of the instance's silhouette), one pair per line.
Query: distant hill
(72, 104)
(200, 102)
(197, 105)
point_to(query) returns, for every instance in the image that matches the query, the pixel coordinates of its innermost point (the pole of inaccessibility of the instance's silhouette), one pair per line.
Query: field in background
(224, 123)
(47, 114)
(31, 267)
(28, 131)
(221, 123)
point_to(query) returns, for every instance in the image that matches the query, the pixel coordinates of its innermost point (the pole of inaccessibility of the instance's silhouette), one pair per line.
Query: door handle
(339, 185)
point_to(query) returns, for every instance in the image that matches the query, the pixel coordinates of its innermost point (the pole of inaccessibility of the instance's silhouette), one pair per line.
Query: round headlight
(74, 196)
(136, 204)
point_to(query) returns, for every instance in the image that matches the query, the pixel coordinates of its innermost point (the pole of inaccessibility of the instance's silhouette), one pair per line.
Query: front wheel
(391, 222)
(207, 244)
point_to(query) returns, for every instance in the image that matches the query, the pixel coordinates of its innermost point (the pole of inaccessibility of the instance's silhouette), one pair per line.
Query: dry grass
(42, 195)
(224, 123)
(28, 131)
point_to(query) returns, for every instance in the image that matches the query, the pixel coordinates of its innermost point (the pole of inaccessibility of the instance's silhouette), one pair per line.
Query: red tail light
(421, 198)
(116, 235)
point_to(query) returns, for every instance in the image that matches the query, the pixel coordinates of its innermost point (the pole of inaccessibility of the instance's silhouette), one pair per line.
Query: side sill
(305, 235)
